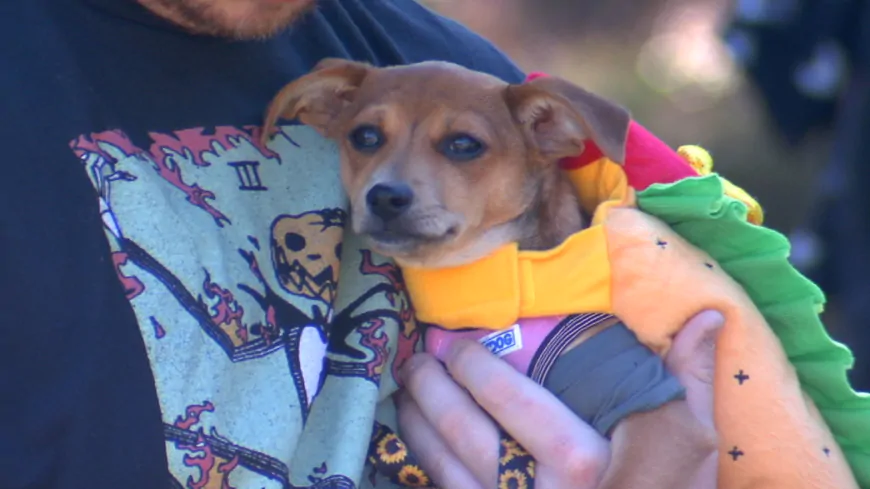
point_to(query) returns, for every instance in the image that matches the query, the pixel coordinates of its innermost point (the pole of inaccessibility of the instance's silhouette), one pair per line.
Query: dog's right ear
(318, 97)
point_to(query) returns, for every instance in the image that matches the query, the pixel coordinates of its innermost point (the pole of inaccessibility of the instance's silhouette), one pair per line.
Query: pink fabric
(532, 333)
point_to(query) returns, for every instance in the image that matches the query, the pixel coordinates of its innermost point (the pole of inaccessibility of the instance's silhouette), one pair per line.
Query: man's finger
(452, 412)
(541, 423)
(435, 457)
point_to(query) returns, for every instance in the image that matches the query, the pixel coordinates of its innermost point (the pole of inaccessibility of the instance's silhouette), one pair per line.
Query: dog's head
(440, 161)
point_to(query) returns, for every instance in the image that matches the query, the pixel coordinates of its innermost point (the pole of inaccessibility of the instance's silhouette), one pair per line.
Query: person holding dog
(171, 305)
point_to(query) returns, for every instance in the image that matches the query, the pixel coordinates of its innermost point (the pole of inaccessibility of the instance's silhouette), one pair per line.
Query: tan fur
(555, 214)
(514, 191)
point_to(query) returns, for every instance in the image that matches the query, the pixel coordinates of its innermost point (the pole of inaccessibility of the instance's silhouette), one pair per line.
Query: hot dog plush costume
(669, 238)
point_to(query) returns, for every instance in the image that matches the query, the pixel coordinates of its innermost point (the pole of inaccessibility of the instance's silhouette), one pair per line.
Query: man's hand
(446, 416)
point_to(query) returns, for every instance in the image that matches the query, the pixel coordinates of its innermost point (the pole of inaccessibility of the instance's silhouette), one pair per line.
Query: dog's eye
(462, 147)
(367, 138)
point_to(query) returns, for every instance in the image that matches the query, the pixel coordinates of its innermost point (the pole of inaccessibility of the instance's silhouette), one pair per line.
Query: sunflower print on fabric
(516, 467)
(389, 457)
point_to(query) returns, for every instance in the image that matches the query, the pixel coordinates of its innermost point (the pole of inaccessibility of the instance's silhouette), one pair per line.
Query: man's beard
(241, 20)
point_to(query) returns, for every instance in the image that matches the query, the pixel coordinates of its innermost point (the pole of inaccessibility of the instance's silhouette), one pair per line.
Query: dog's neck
(555, 212)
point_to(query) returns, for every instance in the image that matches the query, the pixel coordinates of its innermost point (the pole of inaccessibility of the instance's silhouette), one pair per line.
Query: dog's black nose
(388, 200)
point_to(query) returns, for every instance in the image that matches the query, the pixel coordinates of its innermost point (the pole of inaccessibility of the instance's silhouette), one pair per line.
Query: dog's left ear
(558, 116)
(318, 97)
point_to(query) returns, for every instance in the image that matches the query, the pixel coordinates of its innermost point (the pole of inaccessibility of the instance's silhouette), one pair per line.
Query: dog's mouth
(411, 235)
(403, 242)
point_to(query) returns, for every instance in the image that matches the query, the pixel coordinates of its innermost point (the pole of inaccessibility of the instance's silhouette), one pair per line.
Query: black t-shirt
(168, 285)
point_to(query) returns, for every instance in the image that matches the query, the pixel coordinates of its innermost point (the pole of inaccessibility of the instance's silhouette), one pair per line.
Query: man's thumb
(693, 352)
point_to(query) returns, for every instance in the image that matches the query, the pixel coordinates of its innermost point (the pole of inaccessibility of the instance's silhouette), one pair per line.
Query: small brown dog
(444, 165)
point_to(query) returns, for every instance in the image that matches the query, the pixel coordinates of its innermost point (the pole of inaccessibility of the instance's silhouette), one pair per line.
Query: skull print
(306, 250)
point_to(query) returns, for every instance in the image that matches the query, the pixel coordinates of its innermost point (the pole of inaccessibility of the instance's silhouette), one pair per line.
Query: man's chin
(274, 18)
(235, 19)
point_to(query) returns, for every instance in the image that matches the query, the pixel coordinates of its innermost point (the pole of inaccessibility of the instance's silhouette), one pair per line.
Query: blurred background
(764, 85)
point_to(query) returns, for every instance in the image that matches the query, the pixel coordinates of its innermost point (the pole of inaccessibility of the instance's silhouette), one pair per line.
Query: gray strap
(610, 376)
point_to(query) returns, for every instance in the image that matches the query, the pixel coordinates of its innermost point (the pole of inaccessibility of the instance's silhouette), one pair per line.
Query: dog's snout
(389, 200)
